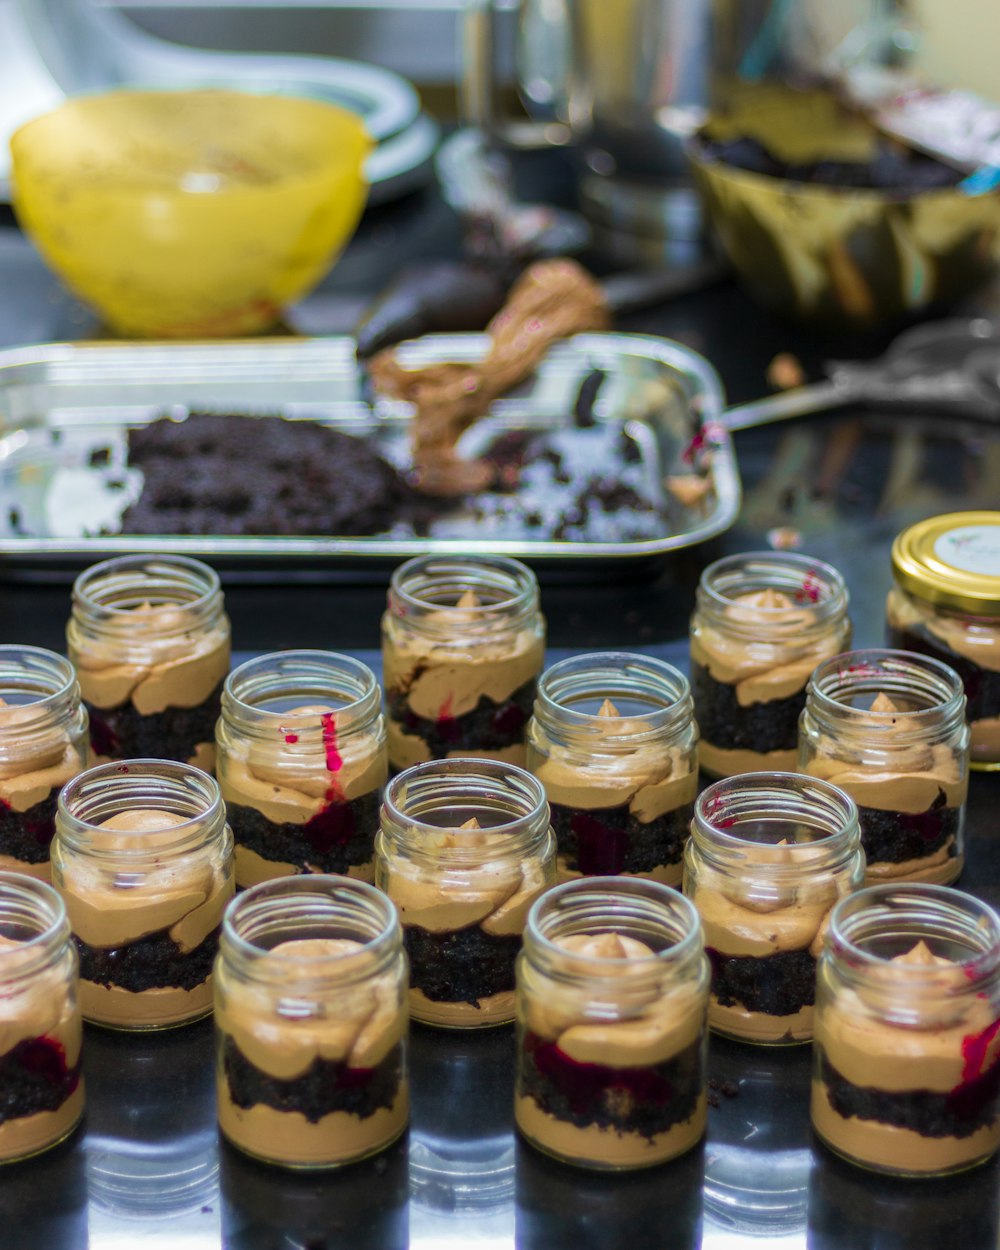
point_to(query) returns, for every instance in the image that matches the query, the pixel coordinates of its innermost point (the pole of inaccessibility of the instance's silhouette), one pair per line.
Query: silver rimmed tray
(66, 409)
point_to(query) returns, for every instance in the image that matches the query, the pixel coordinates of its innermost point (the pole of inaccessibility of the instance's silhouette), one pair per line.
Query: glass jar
(769, 856)
(946, 603)
(301, 763)
(906, 1072)
(43, 743)
(465, 848)
(614, 742)
(889, 728)
(612, 991)
(310, 1016)
(150, 641)
(41, 1087)
(143, 859)
(463, 642)
(761, 624)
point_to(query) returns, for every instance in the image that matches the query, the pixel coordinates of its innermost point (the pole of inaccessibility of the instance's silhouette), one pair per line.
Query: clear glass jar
(43, 743)
(149, 638)
(311, 1022)
(463, 642)
(465, 848)
(612, 991)
(614, 742)
(769, 856)
(301, 762)
(761, 624)
(889, 728)
(143, 859)
(946, 603)
(41, 1087)
(906, 1072)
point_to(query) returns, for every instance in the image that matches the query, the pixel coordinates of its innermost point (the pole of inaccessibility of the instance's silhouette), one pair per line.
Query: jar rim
(859, 662)
(298, 662)
(609, 671)
(773, 567)
(85, 583)
(60, 667)
(522, 583)
(45, 896)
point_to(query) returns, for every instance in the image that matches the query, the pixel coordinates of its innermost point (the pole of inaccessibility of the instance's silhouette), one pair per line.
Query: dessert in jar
(465, 848)
(143, 859)
(301, 763)
(769, 856)
(612, 990)
(906, 1070)
(310, 1017)
(946, 603)
(149, 638)
(889, 728)
(614, 742)
(761, 624)
(41, 1088)
(463, 642)
(43, 743)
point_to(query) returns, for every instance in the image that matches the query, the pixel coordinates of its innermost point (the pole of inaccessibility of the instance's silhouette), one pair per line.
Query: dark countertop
(148, 1168)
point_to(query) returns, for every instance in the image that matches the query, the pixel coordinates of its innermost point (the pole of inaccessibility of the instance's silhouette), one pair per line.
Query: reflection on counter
(360, 1207)
(756, 1166)
(849, 1208)
(43, 1202)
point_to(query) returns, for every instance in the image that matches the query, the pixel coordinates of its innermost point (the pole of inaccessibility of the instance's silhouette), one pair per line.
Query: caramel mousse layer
(288, 1137)
(940, 868)
(32, 765)
(722, 762)
(405, 750)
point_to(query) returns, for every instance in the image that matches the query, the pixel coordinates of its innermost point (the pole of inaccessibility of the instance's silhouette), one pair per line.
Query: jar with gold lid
(614, 742)
(143, 860)
(906, 1069)
(463, 641)
(612, 991)
(43, 743)
(465, 848)
(769, 856)
(761, 624)
(301, 763)
(889, 728)
(149, 638)
(41, 1086)
(311, 1022)
(946, 603)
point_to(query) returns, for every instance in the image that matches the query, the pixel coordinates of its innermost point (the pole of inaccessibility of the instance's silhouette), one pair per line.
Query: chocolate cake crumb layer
(970, 1106)
(647, 1100)
(895, 837)
(463, 966)
(152, 962)
(777, 985)
(760, 727)
(223, 473)
(335, 839)
(489, 726)
(26, 835)
(34, 1077)
(982, 685)
(174, 734)
(325, 1086)
(605, 841)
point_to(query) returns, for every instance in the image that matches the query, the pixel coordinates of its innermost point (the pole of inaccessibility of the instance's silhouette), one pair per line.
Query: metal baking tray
(65, 411)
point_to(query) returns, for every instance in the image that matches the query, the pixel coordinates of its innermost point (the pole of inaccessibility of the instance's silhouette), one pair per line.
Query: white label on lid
(971, 548)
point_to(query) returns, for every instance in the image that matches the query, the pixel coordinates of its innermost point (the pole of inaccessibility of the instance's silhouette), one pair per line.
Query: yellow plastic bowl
(190, 214)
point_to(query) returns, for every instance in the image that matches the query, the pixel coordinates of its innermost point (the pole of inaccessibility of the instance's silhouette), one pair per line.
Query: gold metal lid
(952, 561)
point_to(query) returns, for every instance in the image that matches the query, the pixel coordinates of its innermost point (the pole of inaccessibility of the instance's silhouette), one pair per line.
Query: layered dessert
(296, 809)
(147, 938)
(749, 672)
(157, 696)
(462, 685)
(913, 1096)
(621, 1092)
(462, 924)
(763, 948)
(34, 766)
(910, 801)
(622, 810)
(41, 1089)
(969, 645)
(316, 1086)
